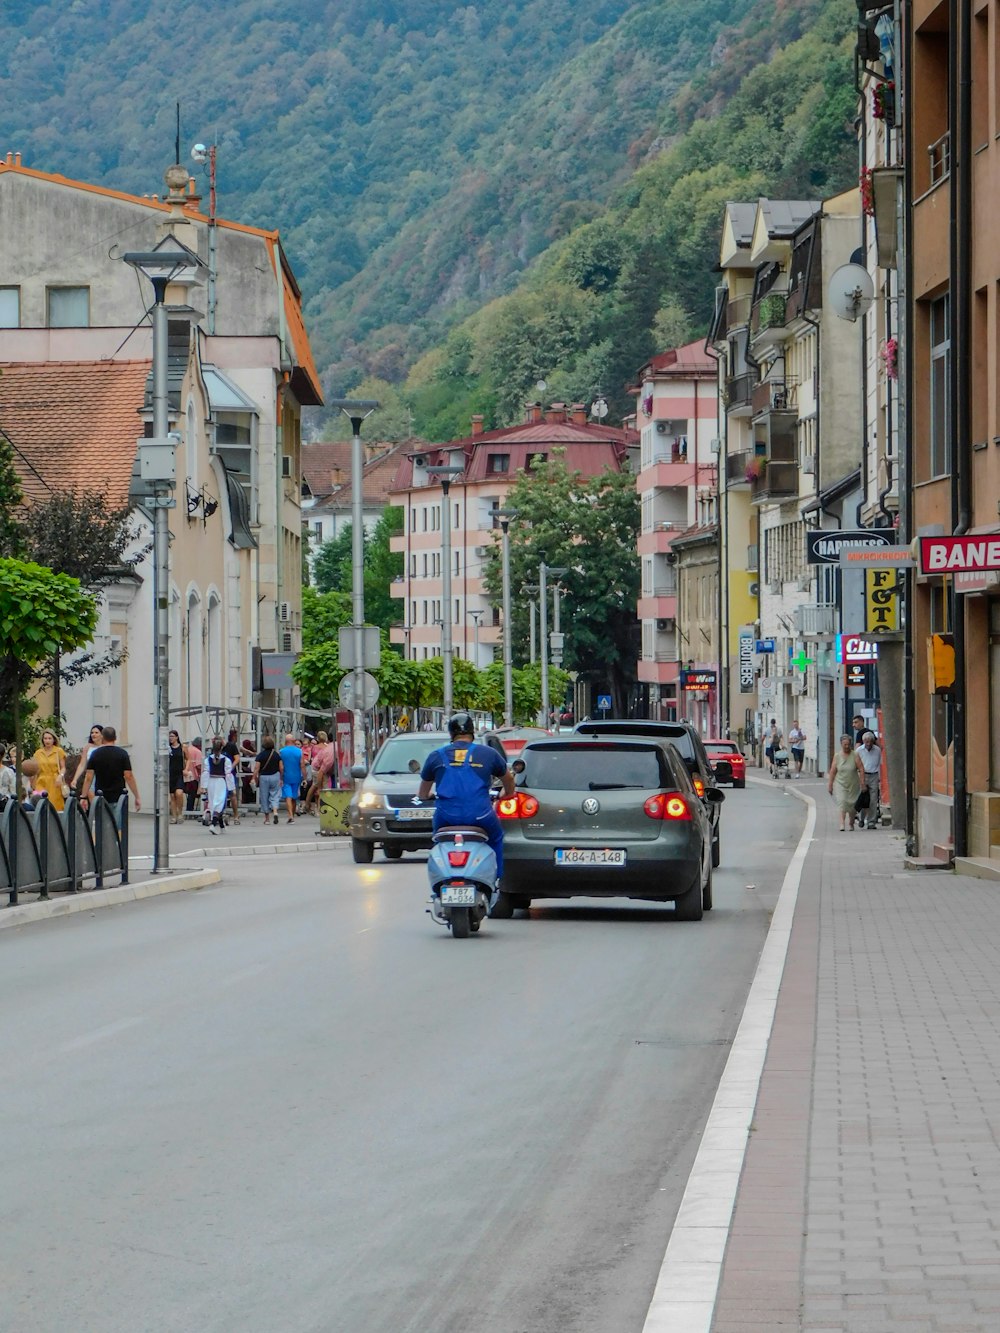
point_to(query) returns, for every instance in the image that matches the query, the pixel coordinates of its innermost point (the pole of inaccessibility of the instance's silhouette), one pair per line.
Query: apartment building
(487, 463)
(677, 418)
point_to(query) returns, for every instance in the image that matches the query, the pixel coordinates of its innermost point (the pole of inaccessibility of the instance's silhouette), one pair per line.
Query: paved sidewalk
(870, 1193)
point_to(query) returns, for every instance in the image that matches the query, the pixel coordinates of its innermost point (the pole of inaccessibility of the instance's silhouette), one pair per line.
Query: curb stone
(90, 899)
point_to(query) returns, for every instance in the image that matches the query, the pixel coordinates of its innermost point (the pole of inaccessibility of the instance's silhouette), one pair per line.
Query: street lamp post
(505, 515)
(169, 262)
(544, 571)
(447, 473)
(476, 618)
(358, 410)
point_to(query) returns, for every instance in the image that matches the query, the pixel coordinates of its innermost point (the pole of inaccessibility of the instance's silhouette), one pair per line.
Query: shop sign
(747, 676)
(824, 548)
(959, 555)
(881, 601)
(856, 674)
(697, 680)
(853, 648)
(764, 646)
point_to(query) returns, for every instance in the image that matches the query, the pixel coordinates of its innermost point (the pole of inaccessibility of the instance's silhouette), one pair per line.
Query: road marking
(99, 1034)
(687, 1287)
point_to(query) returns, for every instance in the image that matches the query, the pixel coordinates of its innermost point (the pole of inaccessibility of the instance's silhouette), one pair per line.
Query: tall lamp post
(476, 619)
(358, 410)
(447, 473)
(505, 515)
(169, 262)
(544, 571)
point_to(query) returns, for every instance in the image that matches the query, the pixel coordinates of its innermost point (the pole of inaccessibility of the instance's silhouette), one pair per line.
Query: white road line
(99, 1034)
(686, 1289)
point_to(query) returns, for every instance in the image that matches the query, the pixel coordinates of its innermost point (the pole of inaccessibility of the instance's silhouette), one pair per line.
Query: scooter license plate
(458, 895)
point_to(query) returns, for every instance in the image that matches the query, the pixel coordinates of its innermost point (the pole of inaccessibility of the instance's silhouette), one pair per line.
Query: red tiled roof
(73, 425)
(326, 470)
(681, 362)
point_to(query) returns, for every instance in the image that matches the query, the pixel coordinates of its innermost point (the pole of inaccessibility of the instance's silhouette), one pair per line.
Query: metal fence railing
(46, 850)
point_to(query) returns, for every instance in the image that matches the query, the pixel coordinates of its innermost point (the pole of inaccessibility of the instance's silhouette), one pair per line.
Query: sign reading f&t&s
(959, 555)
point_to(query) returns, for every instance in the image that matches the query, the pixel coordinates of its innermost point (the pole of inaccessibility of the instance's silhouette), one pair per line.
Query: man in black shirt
(109, 769)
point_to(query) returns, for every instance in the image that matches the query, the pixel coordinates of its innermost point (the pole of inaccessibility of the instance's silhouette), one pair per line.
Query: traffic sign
(764, 646)
(371, 647)
(369, 691)
(604, 703)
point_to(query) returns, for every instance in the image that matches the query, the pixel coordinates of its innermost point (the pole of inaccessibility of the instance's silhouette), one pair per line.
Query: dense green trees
(334, 564)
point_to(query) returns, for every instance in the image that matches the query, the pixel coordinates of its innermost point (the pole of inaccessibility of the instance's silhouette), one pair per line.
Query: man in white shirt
(871, 762)
(797, 745)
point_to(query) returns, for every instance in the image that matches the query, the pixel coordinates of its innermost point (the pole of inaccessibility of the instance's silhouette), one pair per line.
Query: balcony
(772, 396)
(736, 468)
(767, 323)
(738, 313)
(738, 392)
(816, 622)
(777, 481)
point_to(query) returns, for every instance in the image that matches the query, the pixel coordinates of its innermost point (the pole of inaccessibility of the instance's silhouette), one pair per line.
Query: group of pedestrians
(855, 778)
(774, 747)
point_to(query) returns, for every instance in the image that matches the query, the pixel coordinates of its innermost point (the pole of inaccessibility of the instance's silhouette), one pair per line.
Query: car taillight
(458, 859)
(699, 786)
(519, 806)
(666, 806)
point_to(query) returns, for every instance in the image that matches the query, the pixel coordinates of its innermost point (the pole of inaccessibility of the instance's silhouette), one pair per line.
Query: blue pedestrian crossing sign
(604, 703)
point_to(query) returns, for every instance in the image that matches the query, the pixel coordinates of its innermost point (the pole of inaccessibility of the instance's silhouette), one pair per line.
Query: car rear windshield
(679, 737)
(594, 767)
(721, 747)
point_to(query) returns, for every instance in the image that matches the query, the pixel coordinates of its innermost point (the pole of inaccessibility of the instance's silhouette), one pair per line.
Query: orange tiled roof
(326, 470)
(73, 424)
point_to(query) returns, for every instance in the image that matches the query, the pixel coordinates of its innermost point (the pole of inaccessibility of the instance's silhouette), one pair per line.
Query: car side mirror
(724, 770)
(517, 766)
(359, 771)
(714, 796)
(414, 765)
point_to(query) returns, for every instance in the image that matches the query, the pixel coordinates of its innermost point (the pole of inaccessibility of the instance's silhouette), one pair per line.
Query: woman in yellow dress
(51, 759)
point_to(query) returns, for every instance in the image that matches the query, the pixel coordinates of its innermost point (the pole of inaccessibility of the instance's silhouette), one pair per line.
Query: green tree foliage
(323, 613)
(41, 614)
(589, 526)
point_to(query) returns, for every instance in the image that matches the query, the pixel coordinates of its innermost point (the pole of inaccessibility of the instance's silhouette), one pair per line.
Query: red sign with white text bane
(959, 555)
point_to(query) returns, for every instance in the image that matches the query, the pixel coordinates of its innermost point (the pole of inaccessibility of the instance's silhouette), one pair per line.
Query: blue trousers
(488, 822)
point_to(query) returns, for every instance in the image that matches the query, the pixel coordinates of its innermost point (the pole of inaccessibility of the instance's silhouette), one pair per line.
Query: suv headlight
(371, 800)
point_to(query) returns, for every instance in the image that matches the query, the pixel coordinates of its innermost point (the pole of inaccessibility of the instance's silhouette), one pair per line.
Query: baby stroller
(779, 765)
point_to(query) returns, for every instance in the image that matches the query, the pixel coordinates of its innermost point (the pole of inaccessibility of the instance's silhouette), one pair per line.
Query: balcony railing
(772, 396)
(818, 621)
(738, 391)
(778, 481)
(738, 312)
(939, 153)
(768, 315)
(736, 467)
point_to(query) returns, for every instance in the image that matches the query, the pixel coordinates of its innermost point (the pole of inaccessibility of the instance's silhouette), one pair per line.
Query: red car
(730, 753)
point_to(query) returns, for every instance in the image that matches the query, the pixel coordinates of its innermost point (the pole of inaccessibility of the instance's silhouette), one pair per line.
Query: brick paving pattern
(870, 1197)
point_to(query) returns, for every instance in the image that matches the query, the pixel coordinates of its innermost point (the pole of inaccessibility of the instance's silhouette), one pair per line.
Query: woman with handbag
(847, 776)
(51, 777)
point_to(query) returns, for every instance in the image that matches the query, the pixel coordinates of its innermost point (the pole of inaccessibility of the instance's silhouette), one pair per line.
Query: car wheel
(741, 782)
(503, 908)
(392, 853)
(363, 852)
(706, 894)
(521, 901)
(716, 849)
(688, 907)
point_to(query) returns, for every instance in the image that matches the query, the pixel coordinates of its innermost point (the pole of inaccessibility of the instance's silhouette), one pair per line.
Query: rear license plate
(458, 895)
(590, 856)
(413, 816)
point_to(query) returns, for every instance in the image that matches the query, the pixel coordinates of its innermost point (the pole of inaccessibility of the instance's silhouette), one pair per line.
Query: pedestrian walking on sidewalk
(176, 778)
(216, 775)
(290, 755)
(844, 780)
(797, 745)
(773, 743)
(870, 755)
(267, 779)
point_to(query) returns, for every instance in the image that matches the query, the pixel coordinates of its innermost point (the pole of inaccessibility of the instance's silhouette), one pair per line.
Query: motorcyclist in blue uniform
(463, 774)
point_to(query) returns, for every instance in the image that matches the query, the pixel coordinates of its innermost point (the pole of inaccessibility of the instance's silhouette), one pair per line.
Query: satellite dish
(851, 291)
(541, 386)
(199, 153)
(599, 409)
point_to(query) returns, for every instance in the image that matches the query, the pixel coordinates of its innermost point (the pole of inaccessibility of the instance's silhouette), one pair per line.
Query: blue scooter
(463, 872)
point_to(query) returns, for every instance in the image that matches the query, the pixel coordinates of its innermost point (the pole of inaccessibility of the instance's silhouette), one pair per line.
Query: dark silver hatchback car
(608, 818)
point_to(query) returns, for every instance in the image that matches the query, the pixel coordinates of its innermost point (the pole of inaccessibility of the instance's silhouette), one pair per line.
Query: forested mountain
(422, 158)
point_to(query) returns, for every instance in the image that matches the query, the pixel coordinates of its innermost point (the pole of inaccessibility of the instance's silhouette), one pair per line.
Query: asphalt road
(292, 1103)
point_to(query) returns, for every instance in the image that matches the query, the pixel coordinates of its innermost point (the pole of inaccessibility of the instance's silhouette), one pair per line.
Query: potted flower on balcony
(756, 467)
(890, 355)
(772, 311)
(884, 103)
(867, 192)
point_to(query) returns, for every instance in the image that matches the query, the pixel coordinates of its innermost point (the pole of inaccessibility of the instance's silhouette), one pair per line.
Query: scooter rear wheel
(461, 922)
